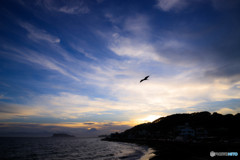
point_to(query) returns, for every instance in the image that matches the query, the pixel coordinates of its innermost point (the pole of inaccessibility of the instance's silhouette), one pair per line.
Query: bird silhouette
(146, 78)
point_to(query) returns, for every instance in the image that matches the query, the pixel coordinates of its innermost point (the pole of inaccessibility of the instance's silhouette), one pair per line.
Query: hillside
(186, 127)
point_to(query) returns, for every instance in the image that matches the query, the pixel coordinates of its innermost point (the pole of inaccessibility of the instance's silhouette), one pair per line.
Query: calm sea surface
(70, 149)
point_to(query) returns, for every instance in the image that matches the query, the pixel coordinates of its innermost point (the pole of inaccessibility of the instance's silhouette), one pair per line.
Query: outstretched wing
(146, 77)
(141, 80)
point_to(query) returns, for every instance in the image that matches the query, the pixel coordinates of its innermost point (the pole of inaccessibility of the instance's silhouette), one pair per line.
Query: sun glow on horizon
(147, 119)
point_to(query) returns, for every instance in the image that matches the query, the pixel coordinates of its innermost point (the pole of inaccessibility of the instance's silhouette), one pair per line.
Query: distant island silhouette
(189, 136)
(60, 135)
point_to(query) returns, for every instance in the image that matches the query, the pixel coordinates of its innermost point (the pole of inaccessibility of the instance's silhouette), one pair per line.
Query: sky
(74, 66)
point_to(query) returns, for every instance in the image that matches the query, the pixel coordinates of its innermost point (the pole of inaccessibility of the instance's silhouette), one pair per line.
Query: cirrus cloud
(35, 33)
(65, 6)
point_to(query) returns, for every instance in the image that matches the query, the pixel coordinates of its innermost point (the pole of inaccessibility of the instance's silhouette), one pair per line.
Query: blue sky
(75, 65)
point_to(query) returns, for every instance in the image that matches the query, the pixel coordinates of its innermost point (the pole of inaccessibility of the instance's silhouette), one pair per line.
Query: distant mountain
(195, 126)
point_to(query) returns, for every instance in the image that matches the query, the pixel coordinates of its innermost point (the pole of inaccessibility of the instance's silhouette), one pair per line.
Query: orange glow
(149, 118)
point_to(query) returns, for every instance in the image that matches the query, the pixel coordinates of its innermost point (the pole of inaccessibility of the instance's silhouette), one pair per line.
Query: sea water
(70, 149)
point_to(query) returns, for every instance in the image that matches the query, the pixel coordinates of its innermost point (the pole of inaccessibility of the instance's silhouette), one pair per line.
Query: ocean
(13, 148)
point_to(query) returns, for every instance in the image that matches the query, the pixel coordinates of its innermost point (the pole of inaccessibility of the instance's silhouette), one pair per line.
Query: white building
(186, 130)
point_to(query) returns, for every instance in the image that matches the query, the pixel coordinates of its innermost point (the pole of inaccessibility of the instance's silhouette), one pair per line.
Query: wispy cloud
(179, 5)
(25, 55)
(135, 43)
(135, 40)
(48, 63)
(169, 5)
(229, 106)
(35, 33)
(138, 25)
(132, 48)
(65, 6)
(228, 111)
(84, 52)
(11, 110)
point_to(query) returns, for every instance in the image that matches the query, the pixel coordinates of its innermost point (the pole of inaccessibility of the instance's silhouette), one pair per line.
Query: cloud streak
(169, 5)
(82, 51)
(36, 34)
(31, 57)
(65, 6)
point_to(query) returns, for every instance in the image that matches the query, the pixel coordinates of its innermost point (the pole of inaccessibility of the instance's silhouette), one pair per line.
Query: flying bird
(146, 78)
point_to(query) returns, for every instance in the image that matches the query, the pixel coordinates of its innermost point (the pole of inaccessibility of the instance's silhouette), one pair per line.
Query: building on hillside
(185, 133)
(186, 130)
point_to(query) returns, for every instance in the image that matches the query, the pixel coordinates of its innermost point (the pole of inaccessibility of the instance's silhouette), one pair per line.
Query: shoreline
(149, 154)
(168, 150)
